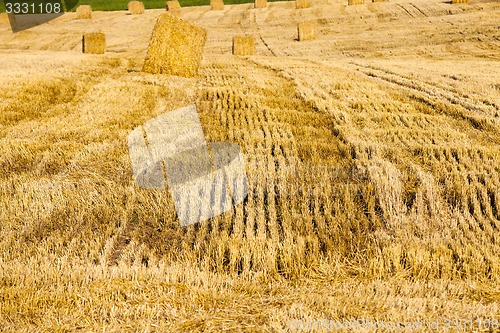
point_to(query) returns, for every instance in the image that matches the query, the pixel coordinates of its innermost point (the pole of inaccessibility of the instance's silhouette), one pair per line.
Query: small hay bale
(173, 6)
(175, 48)
(355, 2)
(84, 12)
(217, 4)
(7, 19)
(243, 45)
(379, 0)
(260, 4)
(94, 43)
(302, 4)
(459, 1)
(306, 30)
(136, 7)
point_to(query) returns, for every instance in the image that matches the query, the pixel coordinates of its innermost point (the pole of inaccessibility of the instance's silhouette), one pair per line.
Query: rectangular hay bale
(260, 4)
(378, 0)
(94, 43)
(355, 2)
(299, 4)
(217, 4)
(243, 45)
(136, 7)
(176, 47)
(84, 12)
(459, 1)
(306, 30)
(173, 5)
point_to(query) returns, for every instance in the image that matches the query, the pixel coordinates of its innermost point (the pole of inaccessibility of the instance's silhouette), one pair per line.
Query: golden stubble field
(373, 163)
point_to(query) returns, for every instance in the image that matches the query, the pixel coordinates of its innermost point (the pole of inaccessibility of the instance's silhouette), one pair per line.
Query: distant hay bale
(217, 4)
(379, 0)
(306, 30)
(175, 48)
(7, 19)
(173, 6)
(459, 1)
(94, 43)
(243, 45)
(84, 12)
(260, 4)
(355, 2)
(302, 4)
(136, 7)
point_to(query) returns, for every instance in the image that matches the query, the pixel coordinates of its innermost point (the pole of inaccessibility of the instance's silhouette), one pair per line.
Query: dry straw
(379, 0)
(136, 7)
(7, 19)
(306, 30)
(260, 4)
(302, 4)
(459, 1)
(175, 48)
(355, 2)
(243, 45)
(217, 4)
(94, 43)
(84, 12)
(173, 6)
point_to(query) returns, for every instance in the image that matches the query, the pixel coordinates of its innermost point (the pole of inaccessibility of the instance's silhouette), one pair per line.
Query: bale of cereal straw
(175, 48)
(217, 4)
(243, 45)
(173, 6)
(260, 4)
(136, 7)
(355, 2)
(302, 4)
(378, 0)
(459, 1)
(306, 30)
(7, 19)
(94, 43)
(84, 12)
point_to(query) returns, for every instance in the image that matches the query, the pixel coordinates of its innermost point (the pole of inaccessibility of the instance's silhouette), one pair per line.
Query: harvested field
(372, 157)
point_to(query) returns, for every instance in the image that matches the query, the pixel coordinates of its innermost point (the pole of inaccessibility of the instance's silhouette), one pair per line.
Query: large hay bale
(302, 4)
(459, 1)
(217, 4)
(243, 45)
(306, 30)
(173, 6)
(260, 4)
(7, 19)
(84, 12)
(176, 47)
(136, 7)
(355, 2)
(94, 43)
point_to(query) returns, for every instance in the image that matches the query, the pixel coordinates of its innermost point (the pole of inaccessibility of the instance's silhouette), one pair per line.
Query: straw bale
(260, 4)
(306, 30)
(136, 7)
(175, 48)
(243, 45)
(302, 4)
(355, 2)
(217, 4)
(173, 6)
(94, 43)
(84, 12)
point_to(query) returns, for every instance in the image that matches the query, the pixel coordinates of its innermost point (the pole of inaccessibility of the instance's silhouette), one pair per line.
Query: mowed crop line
(418, 200)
